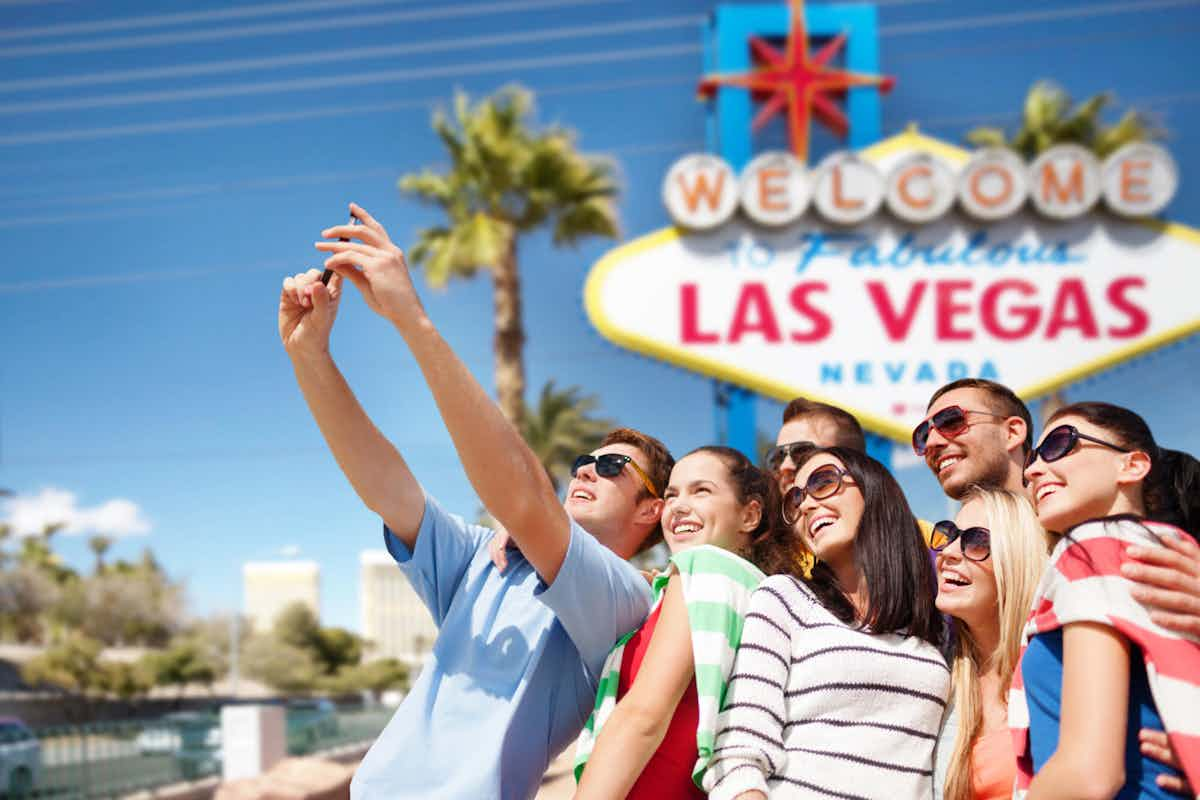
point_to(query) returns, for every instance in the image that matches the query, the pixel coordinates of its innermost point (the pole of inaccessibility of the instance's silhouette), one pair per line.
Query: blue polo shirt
(513, 672)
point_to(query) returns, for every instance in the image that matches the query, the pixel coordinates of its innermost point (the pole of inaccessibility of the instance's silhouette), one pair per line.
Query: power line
(157, 20)
(43, 137)
(993, 20)
(341, 54)
(194, 191)
(360, 22)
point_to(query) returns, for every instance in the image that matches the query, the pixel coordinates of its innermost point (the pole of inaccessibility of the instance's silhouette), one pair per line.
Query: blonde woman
(987, 583)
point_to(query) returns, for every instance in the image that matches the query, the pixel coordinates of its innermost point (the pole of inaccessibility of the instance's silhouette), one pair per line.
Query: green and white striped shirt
(716, 590)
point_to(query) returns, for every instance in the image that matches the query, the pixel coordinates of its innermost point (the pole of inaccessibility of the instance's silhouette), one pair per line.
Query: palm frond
(561, 426)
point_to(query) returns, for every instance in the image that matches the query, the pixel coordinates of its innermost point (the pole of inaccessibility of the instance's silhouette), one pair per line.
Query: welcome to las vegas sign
(882, 274)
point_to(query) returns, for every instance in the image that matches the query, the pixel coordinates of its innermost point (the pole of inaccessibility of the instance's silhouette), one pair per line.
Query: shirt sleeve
(444, 548)
(749, 746)
(597, 596)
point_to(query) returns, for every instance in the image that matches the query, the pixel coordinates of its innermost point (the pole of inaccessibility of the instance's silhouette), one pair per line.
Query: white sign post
(253, 739)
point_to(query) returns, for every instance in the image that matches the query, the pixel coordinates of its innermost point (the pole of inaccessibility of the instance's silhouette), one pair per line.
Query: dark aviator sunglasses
(792, 450)
(951, 421)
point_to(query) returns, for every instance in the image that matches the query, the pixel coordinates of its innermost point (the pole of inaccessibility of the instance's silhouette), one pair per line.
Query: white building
(394, 619)
(268, 587)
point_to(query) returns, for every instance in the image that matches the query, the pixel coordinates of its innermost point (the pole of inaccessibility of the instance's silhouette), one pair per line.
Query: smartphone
(327, 274)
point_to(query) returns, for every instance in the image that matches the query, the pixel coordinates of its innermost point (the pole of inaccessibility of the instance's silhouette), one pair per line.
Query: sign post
(729, 133)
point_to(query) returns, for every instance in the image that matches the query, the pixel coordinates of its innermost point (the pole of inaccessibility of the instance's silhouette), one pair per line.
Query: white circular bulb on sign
(1064, 181)
(700, 191)
(920, 188)
(1139, 179)
(993, 185)
(775, 189)
(847, 189)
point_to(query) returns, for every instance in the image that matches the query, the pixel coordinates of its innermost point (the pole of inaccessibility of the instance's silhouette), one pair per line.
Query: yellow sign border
(680, 357)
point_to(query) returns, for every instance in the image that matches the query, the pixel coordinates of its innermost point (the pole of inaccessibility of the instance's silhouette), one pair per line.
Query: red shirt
(668, 773)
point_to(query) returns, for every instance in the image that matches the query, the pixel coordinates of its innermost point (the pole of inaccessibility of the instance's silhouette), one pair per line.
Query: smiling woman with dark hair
(838, 686)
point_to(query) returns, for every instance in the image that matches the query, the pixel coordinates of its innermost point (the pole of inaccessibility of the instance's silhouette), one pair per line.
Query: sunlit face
(599, 504)
(967, 589)
(830, 526)
(700, 506)
(815, 428)
(1081, 485)
(978, 455)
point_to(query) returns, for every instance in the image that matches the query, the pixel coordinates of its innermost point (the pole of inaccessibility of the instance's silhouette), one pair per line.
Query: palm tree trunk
(509, 341)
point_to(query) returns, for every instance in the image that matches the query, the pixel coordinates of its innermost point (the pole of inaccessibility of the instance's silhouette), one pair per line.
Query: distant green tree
(336, 648)
(279, 665)
(181, 664)
(1049, 118)
(373, 676)
(297, 626)
(27, 594)
(125, 681)
(100, 545)
(72, 663)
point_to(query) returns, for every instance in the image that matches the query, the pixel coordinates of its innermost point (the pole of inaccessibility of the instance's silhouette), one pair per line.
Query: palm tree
(99, 546)
(1048, 119)
(561, 427)
(506, 179)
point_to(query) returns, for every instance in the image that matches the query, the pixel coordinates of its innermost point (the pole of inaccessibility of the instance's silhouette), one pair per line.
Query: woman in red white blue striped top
(1095, 666)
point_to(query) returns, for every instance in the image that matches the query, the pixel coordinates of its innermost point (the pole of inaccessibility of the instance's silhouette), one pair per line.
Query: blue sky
(163, 166)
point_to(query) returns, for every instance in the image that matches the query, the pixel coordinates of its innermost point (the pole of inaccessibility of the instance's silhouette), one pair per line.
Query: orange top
(993, 766)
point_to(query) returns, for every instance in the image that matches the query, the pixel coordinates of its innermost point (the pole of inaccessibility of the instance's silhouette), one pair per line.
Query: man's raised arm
(507, 476)
(307, 309)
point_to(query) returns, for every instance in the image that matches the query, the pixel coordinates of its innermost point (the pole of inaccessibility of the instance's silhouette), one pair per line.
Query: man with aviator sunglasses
(978, 432)
(516, 663)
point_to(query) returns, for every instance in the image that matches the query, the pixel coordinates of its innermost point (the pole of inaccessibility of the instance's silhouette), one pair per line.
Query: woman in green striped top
(652, 730)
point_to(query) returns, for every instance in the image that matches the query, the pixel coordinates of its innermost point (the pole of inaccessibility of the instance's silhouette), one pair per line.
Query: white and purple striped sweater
(816, 708)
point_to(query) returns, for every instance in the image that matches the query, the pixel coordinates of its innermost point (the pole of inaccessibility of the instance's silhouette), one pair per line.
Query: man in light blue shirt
(514, 670)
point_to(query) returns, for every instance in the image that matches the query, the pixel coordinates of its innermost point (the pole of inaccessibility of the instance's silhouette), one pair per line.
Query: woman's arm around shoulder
(640, 719)
(1090, 759)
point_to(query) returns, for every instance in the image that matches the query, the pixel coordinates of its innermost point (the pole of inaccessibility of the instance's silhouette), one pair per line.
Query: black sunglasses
(609, 465)
(976, 542)
(1061, 441)
(824, 482)
(950, 421)
(792, 450)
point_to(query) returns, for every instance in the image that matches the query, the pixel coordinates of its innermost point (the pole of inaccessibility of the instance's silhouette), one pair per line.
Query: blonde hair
(1019, 555)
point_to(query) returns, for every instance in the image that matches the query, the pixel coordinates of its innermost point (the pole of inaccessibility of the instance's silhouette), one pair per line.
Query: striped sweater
(816, 708)
(717, 586)
(1084, 584)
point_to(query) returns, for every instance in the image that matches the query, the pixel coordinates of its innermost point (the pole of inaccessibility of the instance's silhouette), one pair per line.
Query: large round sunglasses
(824, 482)
(1059, 442)
(976, 543)
(951, 421)
(609, 465)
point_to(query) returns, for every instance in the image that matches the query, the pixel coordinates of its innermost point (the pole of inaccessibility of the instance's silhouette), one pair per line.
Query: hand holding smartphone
(328, 273)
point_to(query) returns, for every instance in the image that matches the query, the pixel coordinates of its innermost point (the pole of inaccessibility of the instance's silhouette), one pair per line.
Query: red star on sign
(805, 85)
